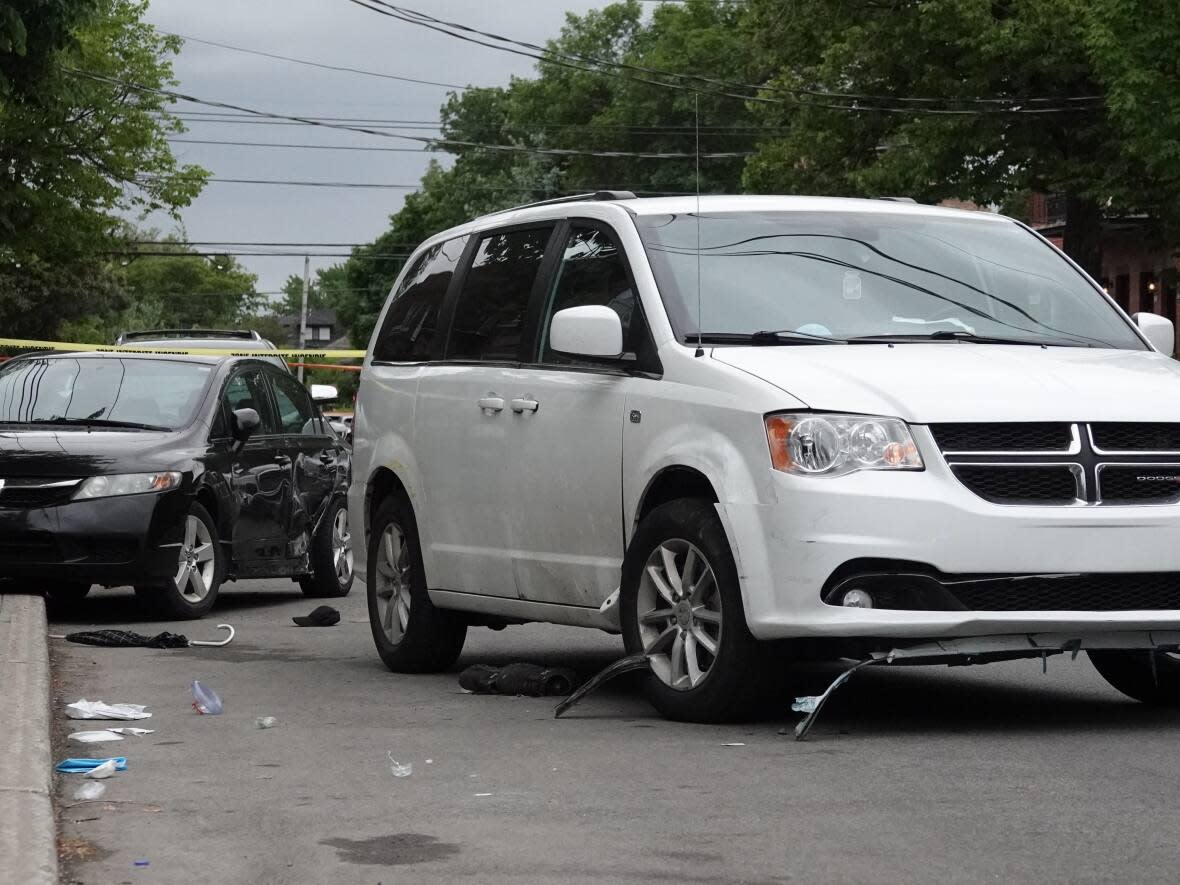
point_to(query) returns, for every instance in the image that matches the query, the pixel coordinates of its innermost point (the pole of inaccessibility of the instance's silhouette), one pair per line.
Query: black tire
(732, 684)
(183, 603)
(325, 580)
(1131, 672)
(431, 639)
(63, 597)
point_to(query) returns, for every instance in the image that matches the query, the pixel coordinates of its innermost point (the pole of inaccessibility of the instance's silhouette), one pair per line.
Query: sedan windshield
(101, 392)
(844, 276)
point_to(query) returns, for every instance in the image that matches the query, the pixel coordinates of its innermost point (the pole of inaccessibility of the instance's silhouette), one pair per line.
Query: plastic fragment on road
(637, 661)
(142, 862)
(85, 766)
(108, 768)
(93, 737)
(481, 795)
(85, 709)
(730, 744)
(205, 700)
(518, 679)
(398, 769)
(807, 704)
(132, 730)
(266, 722)
(90, 791)
(812, 704)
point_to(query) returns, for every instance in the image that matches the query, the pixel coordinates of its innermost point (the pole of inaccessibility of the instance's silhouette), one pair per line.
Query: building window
(323, 333)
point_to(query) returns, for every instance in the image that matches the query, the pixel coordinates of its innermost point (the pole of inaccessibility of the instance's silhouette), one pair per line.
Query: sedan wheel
(330, 556)
(393, 583)
(197, 567)
(679, 614)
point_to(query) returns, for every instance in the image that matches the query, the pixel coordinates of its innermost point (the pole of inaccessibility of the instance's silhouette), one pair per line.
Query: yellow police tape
(305, 355)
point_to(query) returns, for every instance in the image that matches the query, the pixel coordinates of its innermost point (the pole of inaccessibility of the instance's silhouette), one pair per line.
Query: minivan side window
(407, 335)
(489, 316)
(593, 271)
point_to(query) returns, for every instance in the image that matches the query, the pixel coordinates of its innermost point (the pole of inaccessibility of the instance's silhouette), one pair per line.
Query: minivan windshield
(803, 277)
(111, 392)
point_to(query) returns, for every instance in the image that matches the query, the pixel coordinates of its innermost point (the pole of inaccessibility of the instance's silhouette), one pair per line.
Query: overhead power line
(306, 147)
(570, 189)
(434, 143)
(725, 88)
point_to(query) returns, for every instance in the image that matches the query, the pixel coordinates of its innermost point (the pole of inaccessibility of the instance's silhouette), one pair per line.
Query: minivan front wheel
(411, 635)
(681, 605)
(1136, 675)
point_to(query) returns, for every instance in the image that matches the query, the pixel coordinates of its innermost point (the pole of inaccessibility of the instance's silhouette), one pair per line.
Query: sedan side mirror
(246, 421)
(324, 393)
(1159, 331)
(590, 331)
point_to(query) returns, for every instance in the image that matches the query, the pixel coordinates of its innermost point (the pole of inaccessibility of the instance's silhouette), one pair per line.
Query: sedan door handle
(492, 403)
(521, 405)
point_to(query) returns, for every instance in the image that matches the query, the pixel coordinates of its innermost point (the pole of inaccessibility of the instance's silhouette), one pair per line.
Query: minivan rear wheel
(681, 604)
(1132, 673)
(411, 635)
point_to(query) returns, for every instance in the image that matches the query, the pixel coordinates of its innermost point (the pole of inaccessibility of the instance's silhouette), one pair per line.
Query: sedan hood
(958, 381)
(74, 453)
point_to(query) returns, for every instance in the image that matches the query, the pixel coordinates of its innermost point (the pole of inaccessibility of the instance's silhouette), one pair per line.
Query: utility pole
(303, 310)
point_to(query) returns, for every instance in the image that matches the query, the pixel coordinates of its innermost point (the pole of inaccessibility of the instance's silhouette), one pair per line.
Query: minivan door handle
(520, 405)
(492, 403)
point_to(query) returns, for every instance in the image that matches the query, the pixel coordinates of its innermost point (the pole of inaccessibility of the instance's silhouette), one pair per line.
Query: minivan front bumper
(789, 551)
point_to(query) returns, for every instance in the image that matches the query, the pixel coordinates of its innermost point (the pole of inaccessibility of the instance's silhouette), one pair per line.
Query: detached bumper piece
(986, 649)
(932, 591)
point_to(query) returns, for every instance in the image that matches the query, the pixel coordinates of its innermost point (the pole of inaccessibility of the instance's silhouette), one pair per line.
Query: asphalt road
(996, 773)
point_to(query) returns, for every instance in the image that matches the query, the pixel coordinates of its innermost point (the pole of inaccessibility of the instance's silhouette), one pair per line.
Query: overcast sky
(334, 32)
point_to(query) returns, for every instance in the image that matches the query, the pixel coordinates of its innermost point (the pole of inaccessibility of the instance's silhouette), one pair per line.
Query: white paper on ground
(128, 729)
(94, 737)
(85, 709)
(102, 771)
(90, 791)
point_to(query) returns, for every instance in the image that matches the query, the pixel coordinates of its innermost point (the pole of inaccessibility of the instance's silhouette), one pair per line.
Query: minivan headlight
(810, 444)
(127, 484)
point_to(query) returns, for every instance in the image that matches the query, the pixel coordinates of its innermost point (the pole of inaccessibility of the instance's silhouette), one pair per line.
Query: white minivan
(740, 429)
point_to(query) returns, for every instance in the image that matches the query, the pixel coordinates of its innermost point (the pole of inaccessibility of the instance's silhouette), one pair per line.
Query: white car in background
(759, 426)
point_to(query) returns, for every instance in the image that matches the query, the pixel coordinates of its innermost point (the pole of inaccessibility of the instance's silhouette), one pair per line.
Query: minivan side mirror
(246, 421)
(324, 393)
(1159, 331)
(593, 330)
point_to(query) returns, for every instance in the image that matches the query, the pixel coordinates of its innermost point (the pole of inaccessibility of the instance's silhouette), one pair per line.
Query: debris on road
(91, 790)
(518, 679)
(266, 722)
(812, 704)
(86, 766)
(637, 661)
(85, 709)
(734, 744)
(205, 700)
(93, 737)
(398, 769)
(131, 730)
(131, 639)
(321, 616)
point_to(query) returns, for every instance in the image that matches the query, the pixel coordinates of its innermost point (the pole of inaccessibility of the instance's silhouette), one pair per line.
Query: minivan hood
(78, 452)
(960, 381)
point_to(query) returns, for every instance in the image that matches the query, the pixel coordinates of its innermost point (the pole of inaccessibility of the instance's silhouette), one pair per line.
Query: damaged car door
(312, 452)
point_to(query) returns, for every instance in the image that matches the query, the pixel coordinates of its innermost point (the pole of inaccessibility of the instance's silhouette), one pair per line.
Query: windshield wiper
(92, 422)
(762, 339)
(956, 335)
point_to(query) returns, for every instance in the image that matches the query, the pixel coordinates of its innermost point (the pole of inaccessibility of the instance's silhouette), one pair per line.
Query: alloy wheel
(679, 614)
(198, 563)
(342, 547)
(393, 582)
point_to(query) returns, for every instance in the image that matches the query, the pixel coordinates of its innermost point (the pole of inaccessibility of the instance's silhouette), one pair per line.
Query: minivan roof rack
(244, 334)
(599, 196)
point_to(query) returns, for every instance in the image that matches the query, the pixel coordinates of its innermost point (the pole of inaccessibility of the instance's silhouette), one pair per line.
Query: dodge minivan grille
(1039, 463)
(1147, 591)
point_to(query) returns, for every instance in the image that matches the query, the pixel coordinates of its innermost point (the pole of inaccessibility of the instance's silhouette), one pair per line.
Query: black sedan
(172, 474)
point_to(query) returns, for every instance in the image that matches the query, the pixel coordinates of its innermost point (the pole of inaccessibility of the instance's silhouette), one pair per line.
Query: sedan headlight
(833, 445)
(127, 484)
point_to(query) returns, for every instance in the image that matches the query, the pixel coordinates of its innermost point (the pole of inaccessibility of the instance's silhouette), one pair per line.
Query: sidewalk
(28, 840)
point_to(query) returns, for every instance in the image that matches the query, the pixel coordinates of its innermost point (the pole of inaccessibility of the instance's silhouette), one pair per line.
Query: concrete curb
(28, 831)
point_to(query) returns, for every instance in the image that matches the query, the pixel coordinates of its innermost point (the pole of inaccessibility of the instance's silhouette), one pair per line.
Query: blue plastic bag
(81, 766)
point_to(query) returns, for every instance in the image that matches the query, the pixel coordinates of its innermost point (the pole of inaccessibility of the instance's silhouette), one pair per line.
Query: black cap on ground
(321, 616)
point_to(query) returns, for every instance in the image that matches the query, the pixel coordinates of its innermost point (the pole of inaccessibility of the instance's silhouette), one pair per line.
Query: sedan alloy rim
(341, 547)
(393, 582)
(679, 614)
(198, 562)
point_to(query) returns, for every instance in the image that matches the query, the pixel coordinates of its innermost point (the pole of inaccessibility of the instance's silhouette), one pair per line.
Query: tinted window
(490, 314)
(410, 323)
(296, 415)
(593, 271)
(161, 393)
(247, 390)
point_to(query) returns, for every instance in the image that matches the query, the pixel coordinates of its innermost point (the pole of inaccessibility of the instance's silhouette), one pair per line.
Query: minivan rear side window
(407, 335)
(489, 316)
